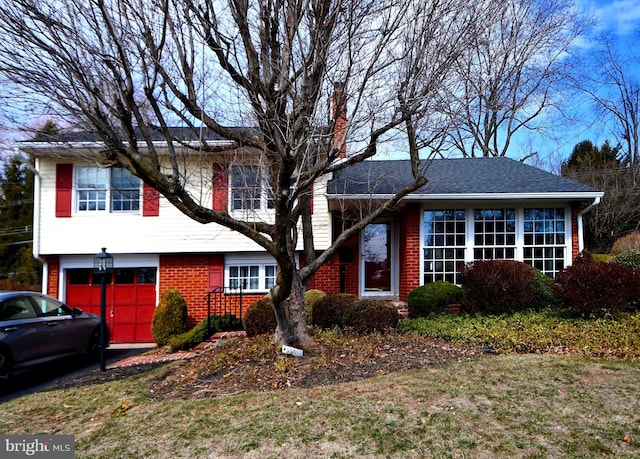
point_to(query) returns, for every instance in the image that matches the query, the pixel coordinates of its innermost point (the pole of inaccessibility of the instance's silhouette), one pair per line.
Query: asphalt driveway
(46, 376)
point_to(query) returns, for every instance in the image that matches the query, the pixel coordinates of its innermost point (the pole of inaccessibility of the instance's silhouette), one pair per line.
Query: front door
(377, 265)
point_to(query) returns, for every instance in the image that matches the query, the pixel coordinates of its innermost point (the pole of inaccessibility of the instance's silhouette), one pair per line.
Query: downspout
(36, 226)
(595, 202)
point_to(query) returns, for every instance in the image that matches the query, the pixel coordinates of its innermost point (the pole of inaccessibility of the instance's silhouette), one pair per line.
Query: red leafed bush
(496, 286)
(597, 289)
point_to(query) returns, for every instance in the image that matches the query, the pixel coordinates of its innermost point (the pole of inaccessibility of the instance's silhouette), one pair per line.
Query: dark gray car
(36, 328)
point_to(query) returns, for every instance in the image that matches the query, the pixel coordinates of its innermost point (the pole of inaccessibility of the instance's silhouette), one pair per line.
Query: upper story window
(106, 189)
(250, 189)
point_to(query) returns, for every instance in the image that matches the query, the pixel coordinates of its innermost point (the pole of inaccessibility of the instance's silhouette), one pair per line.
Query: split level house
(470, 209)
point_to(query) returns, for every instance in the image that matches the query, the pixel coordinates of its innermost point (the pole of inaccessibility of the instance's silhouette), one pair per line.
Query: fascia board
(72, 148)
(472, 196)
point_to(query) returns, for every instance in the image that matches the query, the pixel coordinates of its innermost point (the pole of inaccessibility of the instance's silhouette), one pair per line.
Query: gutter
(595, 202)
(36, 225)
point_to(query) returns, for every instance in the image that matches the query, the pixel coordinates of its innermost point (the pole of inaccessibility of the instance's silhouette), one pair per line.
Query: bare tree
(614, 88)
(127, 70)
(509, 77)
(604, 168)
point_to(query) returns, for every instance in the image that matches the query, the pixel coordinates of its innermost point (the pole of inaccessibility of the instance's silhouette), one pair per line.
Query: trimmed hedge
(597, 289)
(496, 286)
(433, 298)
(369, 315)
(329, 311)
(346, 311)
(310, 298)
(260, 318)
(169, 318)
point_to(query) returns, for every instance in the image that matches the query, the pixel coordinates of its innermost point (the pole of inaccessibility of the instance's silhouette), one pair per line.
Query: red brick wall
(189, 275)
(54, 276)
(327, 278)
(409, 256)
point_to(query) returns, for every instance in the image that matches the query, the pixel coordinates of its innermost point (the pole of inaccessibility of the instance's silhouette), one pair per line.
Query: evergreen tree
(16, 223)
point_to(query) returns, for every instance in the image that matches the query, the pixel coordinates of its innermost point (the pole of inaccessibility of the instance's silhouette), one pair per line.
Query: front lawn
(558, 400)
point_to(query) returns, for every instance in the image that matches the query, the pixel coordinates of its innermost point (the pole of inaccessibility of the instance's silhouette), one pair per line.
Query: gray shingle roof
(463, 176)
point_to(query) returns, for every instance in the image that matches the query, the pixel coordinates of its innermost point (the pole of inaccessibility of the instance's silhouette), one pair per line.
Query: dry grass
(504, 406)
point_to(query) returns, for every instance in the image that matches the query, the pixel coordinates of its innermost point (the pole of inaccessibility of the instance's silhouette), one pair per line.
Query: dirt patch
(243, 365)
(239, 365)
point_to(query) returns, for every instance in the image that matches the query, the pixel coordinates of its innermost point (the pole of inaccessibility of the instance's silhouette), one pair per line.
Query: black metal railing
(224, 309)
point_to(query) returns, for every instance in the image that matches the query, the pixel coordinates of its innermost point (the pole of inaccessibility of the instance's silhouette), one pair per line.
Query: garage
(130, 300)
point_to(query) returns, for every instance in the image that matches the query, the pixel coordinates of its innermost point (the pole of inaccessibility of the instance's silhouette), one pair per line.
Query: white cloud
(619, 16)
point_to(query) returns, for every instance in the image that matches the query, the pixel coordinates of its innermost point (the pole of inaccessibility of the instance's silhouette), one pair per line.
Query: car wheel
(93, 348)
(6, 364)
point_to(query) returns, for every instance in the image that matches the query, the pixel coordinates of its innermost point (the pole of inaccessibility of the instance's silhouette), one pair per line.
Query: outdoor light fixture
(102, 267)
(103, 262)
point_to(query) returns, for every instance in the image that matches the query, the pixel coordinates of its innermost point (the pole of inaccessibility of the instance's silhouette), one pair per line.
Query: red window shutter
(216, 271)
(64, 189)
(150, 201)
(220, 187)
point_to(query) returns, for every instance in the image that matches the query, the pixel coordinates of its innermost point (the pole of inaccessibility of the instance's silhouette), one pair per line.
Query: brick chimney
(339, 119)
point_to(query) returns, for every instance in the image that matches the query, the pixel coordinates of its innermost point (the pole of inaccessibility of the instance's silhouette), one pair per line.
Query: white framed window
(494, 234)
(537, 236)
(250, 273)
(250, 189)
(101, 189)
(444, 244)
(545, 239)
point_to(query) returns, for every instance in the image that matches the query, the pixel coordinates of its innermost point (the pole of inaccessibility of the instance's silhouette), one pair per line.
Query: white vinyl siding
(170, 232)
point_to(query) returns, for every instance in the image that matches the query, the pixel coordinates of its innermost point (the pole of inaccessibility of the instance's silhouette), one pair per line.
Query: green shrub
(597, 289)
(169, 318)
(602, 257)
(433, 297)
(310, 298)
(199, 333)
(496, 286)
(630, 258)
(260, 318)
(329, 311)
(543, 296)
(369, 315)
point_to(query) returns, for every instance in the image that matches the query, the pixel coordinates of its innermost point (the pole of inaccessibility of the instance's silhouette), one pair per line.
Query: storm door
(377, 260)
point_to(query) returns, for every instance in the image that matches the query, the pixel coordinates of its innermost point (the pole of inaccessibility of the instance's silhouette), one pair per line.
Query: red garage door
(130, 302)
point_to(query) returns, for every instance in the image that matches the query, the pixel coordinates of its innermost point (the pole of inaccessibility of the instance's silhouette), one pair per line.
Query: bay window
(538, 236)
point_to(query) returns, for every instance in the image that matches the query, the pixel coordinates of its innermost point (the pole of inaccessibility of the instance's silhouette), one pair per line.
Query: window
(544, 239)
(444, 239)
(250, 189)
(248, 275)
(101, 189)
(494, 233)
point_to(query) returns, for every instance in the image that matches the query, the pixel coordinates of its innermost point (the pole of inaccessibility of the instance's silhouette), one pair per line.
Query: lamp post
(102, 266)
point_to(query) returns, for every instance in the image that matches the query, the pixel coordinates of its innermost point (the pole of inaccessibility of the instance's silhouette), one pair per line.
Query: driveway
(46, 376)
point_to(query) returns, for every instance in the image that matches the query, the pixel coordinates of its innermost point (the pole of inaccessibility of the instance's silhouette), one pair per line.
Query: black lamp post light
(103, 266)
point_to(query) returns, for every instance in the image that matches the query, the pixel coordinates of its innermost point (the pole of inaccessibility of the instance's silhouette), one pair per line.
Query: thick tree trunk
(292, 318)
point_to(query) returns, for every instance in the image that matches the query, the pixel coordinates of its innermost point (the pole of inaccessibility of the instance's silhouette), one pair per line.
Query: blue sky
(621, 19)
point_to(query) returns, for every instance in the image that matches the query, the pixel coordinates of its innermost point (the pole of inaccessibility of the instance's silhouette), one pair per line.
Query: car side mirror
(76, 312)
